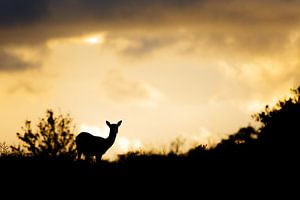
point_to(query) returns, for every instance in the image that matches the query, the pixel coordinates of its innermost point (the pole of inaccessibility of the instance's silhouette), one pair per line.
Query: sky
(193, 69)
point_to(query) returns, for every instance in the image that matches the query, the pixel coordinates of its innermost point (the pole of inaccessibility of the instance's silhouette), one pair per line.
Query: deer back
(90, 144)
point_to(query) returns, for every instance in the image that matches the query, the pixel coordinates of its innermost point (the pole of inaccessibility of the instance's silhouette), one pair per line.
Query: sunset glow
(96, 39)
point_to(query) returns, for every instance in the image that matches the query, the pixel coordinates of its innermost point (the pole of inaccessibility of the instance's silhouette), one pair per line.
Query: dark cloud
(38, 20)
(12, 63)
(22, 13)
(143, 46)
(23, 86)
(224, 29)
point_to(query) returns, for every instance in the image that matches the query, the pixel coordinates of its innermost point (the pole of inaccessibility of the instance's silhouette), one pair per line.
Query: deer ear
(120, 122)
(107, 122)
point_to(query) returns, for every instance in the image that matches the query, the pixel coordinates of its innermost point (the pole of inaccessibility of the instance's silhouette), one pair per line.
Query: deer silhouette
(91, 145)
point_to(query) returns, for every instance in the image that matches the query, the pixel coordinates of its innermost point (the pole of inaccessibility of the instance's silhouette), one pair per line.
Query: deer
(90, 145)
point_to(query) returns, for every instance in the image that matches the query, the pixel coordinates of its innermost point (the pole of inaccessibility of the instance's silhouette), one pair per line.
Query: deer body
(91, 145)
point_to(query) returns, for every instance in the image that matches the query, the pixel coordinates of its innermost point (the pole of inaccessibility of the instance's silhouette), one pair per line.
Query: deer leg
(79, 153)
(88, 158)
(98, 158)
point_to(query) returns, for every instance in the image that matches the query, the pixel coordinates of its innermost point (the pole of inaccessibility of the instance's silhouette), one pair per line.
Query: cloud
(68, 11)
(123, 144)
(139, 45)
(23, 86)
(144, 46)
(120, 88)
(12, 63)
(232, 31)
(20, 13)
(39, 20)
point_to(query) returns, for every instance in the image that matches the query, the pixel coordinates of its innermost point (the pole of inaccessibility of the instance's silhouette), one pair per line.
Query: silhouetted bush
(53, 138)
(243, 140)
(176, 146)
(4, 149)
(197, 151)
(278, 134)
(280, 129)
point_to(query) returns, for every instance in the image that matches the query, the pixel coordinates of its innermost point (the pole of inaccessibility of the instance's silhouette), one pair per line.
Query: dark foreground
(153, 174)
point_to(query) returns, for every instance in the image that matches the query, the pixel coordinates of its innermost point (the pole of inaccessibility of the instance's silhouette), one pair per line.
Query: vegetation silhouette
(53, 138)
(90, 145)
(277, 136)
(279, 132)
(248, 156)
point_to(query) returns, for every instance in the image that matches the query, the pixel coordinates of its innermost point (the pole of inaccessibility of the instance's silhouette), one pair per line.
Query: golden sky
(196, 69)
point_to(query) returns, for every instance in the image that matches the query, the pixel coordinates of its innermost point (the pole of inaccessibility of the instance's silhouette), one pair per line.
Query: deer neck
(111, 138)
